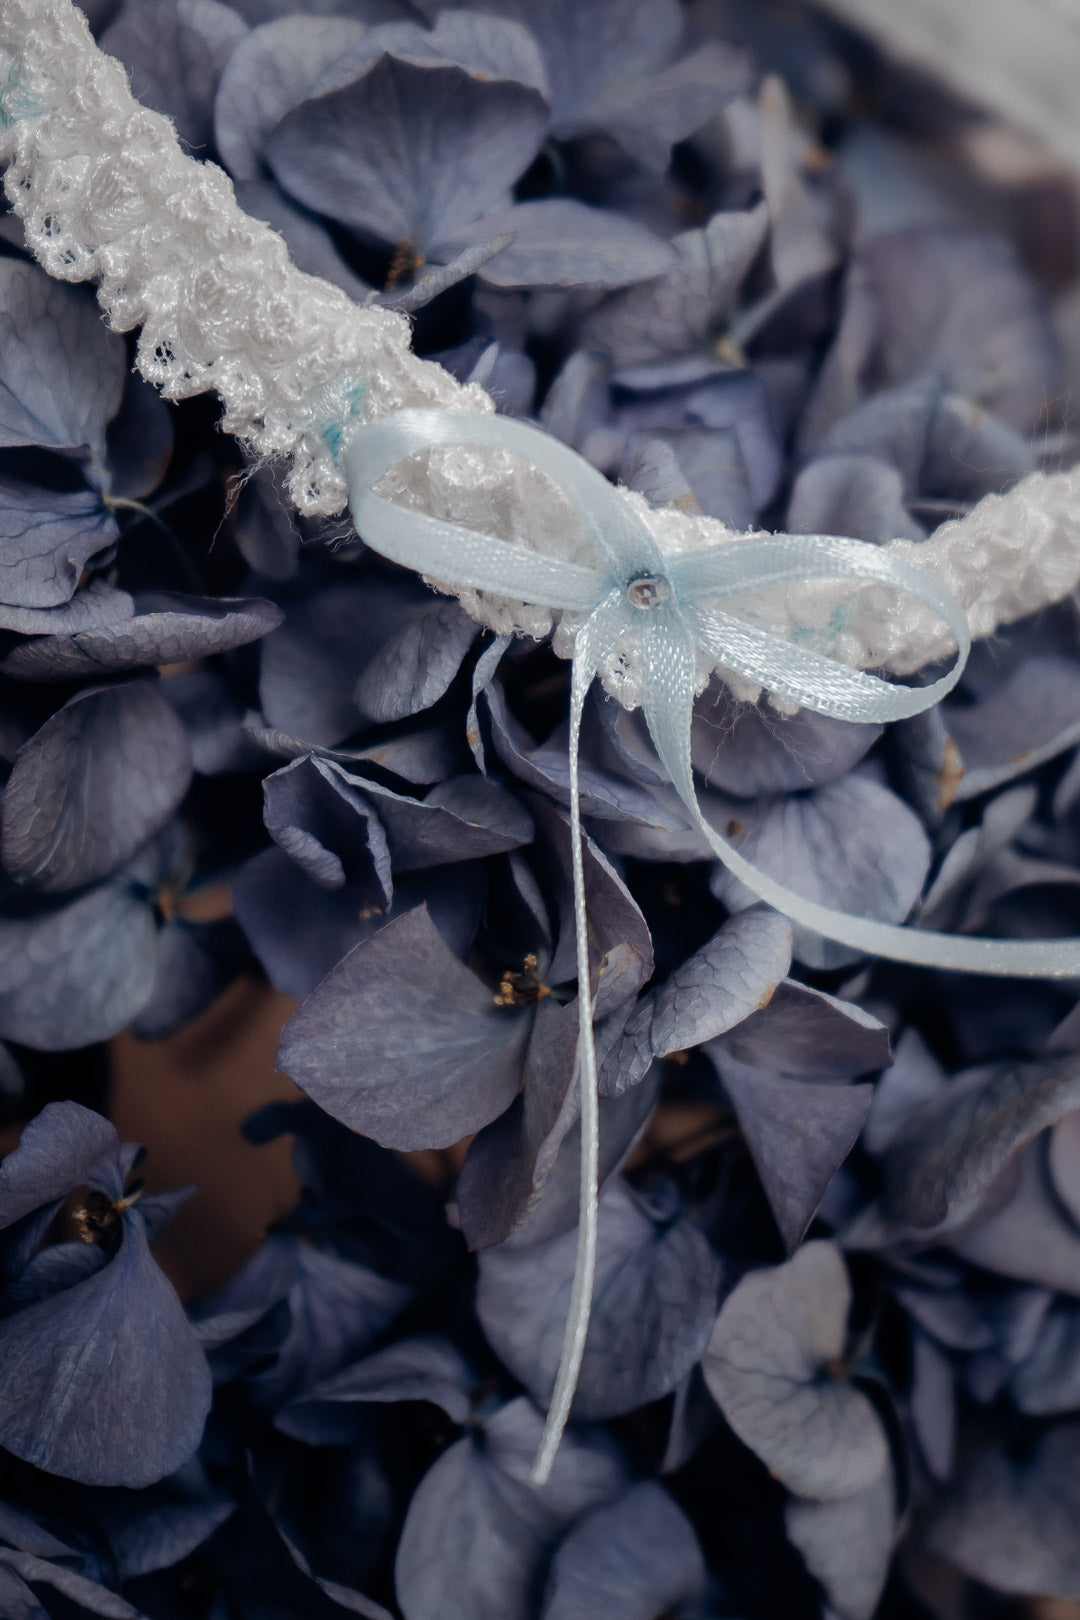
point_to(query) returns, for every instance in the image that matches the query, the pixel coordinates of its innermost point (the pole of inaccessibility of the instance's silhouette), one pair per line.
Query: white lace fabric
(106, 194)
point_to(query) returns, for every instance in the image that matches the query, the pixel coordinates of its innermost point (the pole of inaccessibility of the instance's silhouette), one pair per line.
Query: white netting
(106, 194)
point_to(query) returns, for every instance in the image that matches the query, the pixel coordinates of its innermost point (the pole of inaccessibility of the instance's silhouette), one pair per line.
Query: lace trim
(106, 194)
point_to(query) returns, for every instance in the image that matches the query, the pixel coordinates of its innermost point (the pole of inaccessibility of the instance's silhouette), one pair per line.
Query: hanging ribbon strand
(636, 591)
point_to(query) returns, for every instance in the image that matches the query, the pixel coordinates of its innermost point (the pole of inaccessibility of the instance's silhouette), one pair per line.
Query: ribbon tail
(594, 639)
(668, 705)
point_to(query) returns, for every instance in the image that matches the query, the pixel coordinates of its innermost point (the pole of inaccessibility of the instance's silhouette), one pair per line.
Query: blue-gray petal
(728, 978)
(770, 1367)
(76, 972)
(55, 1151)
(798, 1134)
(856, 495)
(417, 1369)
(61, 369)
(112, 1387)
(636, 1557)
(96, 606)
(477, 1534)
(88, 789)
(805, 1034)
(1009, 1519)
(47, 537)
(270, 71)
(560, 242)
(851, 844)
(403, 1043)
(316, 815)
(144, 1538)
(847, 1545)
(409, 152)
(677, 313)
(653, 1305)
(166, 628)
(937, 1171)
(413, 667)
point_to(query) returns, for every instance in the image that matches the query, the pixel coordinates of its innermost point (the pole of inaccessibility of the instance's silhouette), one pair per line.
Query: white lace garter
(106, 194)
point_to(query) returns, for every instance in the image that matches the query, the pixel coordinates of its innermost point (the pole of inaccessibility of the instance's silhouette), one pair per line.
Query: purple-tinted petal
(477, 1534)
(409, 152)
(99, 778)
(47, 537)
(603, 794)
(59, 1266)
(56, 1150)
(138, 442)
(804, 1034)
(317, 817)
(856, 495)
(941, 444)
(1064, 1162)
(933, 1404)
(1047, 1381)
(747, 749)
(636, 1557)
(510, 1159)
(194, 963)
(166, 628)
(297, 929)
(336, 1310)
(214, 719)
(269, 72)
(488, 47)
(421, 1369)
(311, 664)
(766, 1366)
(620, 948)
(851, 844)
(413, 667)
(653, 1305)
(1032, 717)
(1009, 1518)
(112, 1386)
(147, 1538)
(725, 981)
(847, 1545)
(461, 819)
(93, 608)
(174, 51)
(62, 369)
(648, 116)
(76, 972)
(559, 242)
(680, 311)
(937, 1171)
(522, 1169)
(799, 1135)
(402, 1042)
(87, 1594)
(943, 302)
(588, 50)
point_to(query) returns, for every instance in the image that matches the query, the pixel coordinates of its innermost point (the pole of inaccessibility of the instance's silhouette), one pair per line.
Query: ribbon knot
(672, 604)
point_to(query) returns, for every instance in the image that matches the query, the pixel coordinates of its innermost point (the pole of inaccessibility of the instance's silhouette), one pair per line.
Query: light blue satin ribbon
(671, 604)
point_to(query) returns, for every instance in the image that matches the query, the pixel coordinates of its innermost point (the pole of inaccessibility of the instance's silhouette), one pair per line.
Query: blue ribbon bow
(671, 603)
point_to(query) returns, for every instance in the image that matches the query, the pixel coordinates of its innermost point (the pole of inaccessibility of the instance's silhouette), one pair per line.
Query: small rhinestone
(648, 592)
